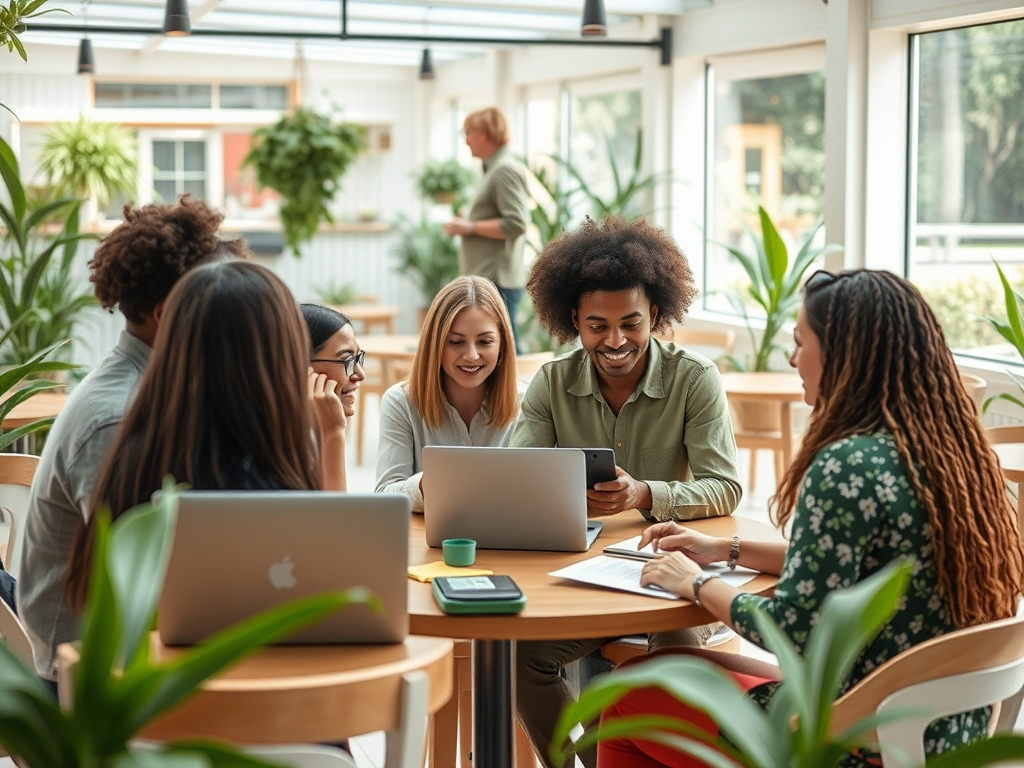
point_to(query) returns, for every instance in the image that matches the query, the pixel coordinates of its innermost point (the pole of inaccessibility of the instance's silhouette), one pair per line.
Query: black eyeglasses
(350, 362)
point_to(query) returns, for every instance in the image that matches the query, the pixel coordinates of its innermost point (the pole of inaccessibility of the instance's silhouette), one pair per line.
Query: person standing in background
(494, 228)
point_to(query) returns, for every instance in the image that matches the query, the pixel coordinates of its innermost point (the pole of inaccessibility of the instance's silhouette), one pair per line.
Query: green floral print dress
(856, 512)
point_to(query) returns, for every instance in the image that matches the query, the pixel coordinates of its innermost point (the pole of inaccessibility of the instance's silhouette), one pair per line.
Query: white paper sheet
(624, 574)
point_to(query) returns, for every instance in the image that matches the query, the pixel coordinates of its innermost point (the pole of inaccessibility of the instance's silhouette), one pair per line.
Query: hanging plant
(303, 157)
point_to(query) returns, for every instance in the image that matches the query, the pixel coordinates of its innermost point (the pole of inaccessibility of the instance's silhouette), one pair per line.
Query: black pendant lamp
(86, 62)
(595, 22)
(176, 21)
(426, 66)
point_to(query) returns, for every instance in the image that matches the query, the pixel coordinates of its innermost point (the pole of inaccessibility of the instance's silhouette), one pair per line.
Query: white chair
(956, 672)
(16, 473)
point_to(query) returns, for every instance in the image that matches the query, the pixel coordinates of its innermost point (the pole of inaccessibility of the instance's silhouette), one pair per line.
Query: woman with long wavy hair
(894, 465)
(228, 401)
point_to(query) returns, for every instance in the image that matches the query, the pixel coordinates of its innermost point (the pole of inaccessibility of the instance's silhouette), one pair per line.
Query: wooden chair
(758, 426)
(16, 473)
(450, 739)
(12, 631)
(959, 671)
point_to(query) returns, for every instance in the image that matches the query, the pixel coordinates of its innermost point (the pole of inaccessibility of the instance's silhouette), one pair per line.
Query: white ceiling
(515, 20)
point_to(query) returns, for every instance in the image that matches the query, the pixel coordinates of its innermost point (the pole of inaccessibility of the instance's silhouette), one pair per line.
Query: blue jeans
(511, 297)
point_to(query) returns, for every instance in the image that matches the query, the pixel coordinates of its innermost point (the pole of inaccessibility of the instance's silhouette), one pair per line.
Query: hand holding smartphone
(600, 465)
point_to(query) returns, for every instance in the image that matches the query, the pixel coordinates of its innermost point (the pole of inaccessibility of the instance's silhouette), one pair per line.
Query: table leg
(493, 703)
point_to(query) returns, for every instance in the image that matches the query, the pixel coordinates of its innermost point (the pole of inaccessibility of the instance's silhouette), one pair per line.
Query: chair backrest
(11, 629)
(955, 672)
(16, 473)
(1010, 434)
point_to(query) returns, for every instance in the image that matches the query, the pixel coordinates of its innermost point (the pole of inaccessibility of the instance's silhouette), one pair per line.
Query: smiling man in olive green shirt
(661, 408)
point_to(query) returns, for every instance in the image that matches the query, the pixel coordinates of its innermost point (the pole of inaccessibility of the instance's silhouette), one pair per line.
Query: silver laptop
(507, 498)
(237, 553)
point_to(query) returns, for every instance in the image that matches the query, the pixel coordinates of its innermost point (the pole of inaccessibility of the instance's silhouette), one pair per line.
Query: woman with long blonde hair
(462, 389)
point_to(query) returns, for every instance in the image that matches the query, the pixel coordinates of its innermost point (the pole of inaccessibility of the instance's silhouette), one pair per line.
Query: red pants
(631, 753)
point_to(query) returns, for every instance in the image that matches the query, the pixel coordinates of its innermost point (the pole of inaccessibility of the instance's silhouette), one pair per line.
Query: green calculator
(478, 594)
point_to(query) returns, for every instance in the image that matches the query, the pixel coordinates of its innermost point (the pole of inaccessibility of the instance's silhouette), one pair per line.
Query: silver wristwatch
(699, 581)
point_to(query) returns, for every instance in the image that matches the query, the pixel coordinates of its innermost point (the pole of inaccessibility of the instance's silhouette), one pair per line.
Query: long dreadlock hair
(885, 364)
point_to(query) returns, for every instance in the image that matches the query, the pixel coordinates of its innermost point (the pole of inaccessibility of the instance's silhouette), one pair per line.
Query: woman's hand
(699, 547)
(674, 572)
(327, 406)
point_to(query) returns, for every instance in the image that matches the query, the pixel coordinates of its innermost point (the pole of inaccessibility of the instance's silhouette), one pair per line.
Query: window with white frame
(966, 184)
(766, 131)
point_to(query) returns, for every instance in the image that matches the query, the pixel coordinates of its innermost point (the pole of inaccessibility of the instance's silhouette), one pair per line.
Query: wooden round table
(780, 387)
(306, 694)
(390, 349)
(555, 609)
(42, 405)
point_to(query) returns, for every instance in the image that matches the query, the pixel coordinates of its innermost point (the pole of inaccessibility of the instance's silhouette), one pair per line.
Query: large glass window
(179, 167)
(604, 131)
(967, 177)
(766, 147)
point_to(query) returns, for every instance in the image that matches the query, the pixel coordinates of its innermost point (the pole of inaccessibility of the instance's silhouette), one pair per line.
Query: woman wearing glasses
(462, 389)
(337, 369)
(894, 464)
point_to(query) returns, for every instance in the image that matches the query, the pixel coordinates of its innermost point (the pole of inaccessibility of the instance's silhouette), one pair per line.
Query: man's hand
(673, 537)
(458, 226)
(618, 495)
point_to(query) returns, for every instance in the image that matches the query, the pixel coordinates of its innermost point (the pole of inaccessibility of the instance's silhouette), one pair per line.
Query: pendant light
(176, 20)
(426, 65)
(427, 62)
(86, 62)
(595, 22)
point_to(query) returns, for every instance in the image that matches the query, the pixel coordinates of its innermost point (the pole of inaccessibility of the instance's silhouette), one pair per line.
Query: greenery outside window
(966, 183)
(766, 146)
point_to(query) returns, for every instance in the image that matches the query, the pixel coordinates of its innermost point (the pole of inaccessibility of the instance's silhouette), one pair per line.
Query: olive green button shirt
(501, 194)
(674, 432)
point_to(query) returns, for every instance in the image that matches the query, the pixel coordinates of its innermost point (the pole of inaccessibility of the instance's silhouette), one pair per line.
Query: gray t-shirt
(62, 494)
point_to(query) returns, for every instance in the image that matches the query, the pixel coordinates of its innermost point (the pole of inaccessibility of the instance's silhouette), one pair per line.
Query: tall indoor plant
(426, 255)
(1012, 329)
(40, 299)
(774, 288)
(117, 689)
(303, 157)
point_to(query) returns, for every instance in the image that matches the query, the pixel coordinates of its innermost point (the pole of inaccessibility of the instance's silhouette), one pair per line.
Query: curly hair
(137, 264)
(885, 365)
(615, 255)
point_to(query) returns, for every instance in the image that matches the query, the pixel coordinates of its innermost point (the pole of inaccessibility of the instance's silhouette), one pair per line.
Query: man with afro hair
(133, 269)
(662, 409)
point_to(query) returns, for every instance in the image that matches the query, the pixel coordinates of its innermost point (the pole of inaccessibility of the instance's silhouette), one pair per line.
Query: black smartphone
(600, 465)
(478, 588)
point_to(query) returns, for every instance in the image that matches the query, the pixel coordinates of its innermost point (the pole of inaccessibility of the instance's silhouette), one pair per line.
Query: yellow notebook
(427, 571)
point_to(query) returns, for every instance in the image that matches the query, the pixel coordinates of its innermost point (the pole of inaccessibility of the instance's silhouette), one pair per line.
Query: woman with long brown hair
(894, 464)
(227, 401)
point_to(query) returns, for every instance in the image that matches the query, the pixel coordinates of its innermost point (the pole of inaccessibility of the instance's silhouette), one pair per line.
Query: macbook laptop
(237, 553)
(507, 498)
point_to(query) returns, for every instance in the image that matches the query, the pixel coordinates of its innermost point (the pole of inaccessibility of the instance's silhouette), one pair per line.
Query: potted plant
(1011, 329)
(91, 160)
(425, 254)
(774, 289)
(337, 294)
(794, 732)
(444, 181)
(41, 301)
(117, 688)
(303, 157)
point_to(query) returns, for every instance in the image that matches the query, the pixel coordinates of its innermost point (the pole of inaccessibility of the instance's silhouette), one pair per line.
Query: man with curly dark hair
(662, 409)
(133, 269)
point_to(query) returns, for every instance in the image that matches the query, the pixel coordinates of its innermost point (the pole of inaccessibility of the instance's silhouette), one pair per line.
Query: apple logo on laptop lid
(281, 575)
